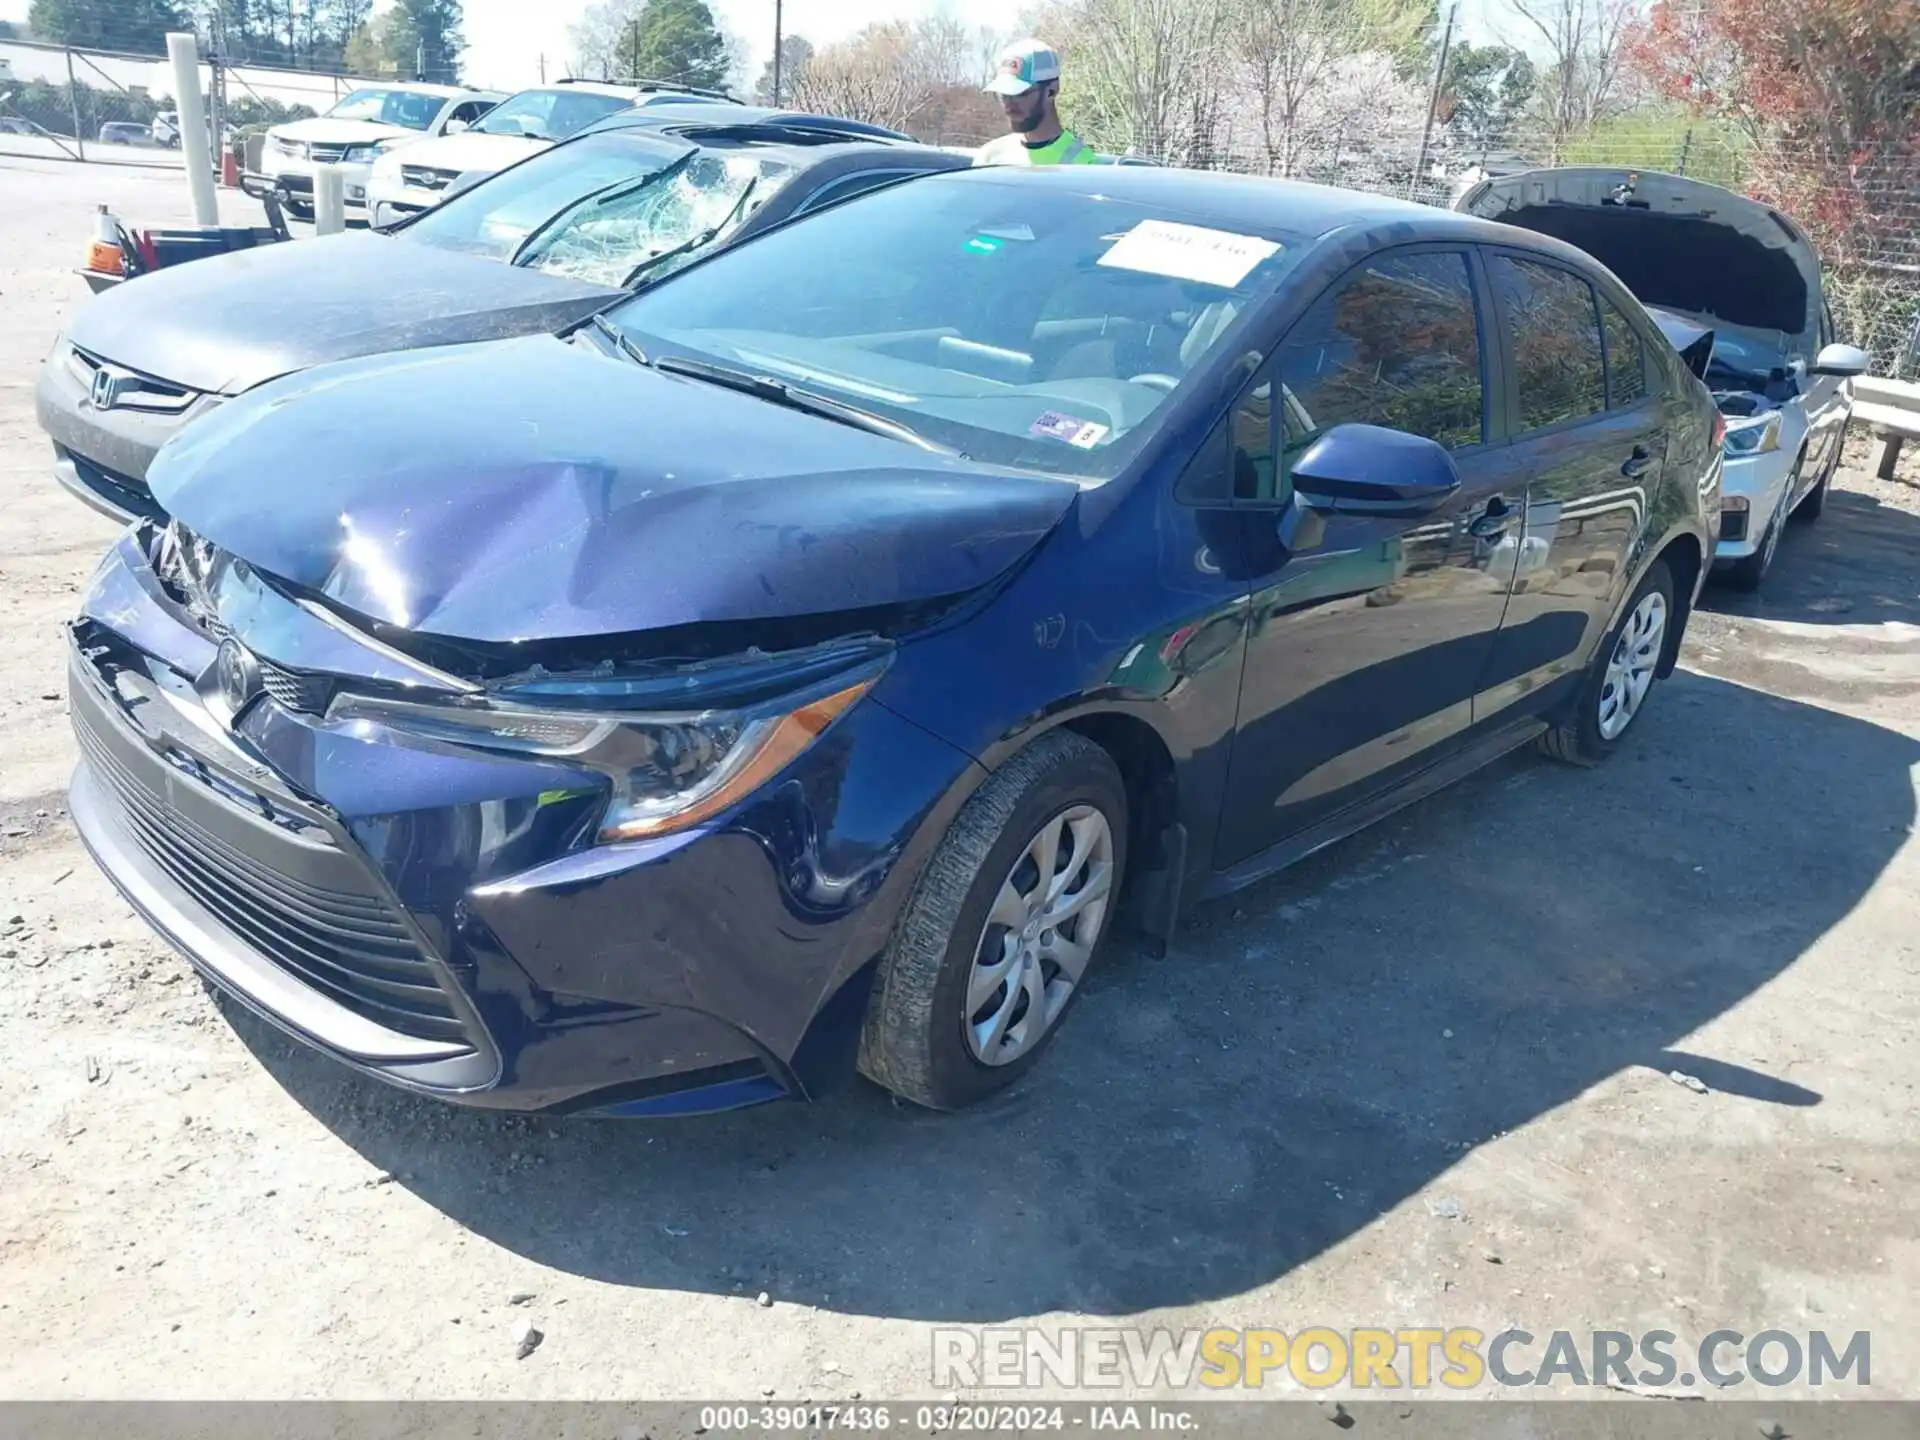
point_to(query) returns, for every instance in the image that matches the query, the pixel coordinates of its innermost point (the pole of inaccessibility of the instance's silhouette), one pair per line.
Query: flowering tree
(1828, 91)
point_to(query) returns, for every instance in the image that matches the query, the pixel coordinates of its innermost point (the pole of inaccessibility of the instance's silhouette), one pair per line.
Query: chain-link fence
(62, 102)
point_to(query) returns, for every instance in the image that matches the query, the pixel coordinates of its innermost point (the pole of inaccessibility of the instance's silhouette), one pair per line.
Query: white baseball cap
(1023, 65)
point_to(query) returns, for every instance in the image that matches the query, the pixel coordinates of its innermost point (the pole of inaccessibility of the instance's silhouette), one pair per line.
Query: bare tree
(1289, 55)
(1584, 53)
(888, 74)
(1139, 74)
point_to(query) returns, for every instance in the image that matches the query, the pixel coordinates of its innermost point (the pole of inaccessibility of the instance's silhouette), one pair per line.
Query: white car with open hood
(364, 125)
(524, 124)
(1736, 287)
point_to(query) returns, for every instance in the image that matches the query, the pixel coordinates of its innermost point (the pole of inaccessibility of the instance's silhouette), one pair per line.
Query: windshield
(1012, 322)
(605, 236)
(406, 108)
(549, 114)
(495, 218)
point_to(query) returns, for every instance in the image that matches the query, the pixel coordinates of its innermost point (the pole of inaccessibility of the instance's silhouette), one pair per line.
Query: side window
(1556, 341)
(1626, 360)
(1396, 345)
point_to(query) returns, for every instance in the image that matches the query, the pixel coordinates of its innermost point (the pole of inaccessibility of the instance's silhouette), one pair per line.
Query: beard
(1028, 123)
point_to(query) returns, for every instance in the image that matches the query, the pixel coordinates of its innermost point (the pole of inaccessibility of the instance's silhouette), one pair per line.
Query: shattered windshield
(494, 219)
(406, 108)
(605, 237)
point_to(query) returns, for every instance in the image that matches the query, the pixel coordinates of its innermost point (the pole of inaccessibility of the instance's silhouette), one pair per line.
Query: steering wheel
(1155, 379)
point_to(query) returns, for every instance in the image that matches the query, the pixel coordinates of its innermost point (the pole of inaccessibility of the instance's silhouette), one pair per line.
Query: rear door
(1368, 632)
(1589, 437)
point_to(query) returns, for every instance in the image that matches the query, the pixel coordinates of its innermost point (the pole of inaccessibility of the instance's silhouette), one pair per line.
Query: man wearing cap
(1027, 80)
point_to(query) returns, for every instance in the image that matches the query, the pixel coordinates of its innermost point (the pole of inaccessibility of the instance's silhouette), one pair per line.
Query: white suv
(519, 126)
(361, 127)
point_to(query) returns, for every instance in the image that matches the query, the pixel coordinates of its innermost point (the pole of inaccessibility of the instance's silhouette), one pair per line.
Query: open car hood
(1673, 242)
(538, 489)
(230, 322)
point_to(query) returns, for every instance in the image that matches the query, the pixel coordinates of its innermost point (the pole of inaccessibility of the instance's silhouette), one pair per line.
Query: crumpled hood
(324, 131)
(540, 489)
(230, 322)
(1672, 241)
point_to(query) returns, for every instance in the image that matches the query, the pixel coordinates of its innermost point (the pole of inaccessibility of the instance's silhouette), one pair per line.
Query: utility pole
(633, 66)
(420, 62)
(1433, 101)
(543, 69)
(776, 52)
(1686, 144)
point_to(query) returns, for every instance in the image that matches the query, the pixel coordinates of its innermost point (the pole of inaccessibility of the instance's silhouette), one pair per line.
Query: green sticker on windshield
(984, 244)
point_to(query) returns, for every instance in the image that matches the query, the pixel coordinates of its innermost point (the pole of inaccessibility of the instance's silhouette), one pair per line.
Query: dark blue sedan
(813, 662)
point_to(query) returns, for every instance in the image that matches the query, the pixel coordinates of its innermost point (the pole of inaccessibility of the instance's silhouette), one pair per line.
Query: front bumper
(390, 200)
(294, 177)
(1761, 481)
(101, 456)
(440, 919)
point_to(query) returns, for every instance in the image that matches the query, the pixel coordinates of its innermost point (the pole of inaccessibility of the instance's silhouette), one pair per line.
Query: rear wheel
(1620, 677)
(1006, 921)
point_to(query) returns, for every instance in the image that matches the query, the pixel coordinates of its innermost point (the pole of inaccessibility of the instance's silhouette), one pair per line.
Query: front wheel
(1620, 676)
(1002, 928)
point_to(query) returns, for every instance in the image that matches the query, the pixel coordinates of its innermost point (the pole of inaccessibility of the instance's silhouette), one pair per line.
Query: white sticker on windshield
(1189, 252)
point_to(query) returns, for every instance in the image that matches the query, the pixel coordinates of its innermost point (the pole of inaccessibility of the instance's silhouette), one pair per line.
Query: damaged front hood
(227, 323)
(539, 489)
(1672, 241)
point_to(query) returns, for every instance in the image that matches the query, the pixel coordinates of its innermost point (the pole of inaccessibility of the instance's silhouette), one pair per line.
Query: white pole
(329, 199)
(183, 51)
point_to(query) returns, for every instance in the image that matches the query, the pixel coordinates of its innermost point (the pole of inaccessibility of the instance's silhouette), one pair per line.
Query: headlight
(364, 154)
(1753, 436)
(667, 771)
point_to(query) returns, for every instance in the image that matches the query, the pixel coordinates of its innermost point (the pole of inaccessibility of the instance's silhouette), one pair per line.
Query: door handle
(1637, 464)
(1496, 519)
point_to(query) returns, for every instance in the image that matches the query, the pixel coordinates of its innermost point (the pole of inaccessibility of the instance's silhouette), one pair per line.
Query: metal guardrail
(1890, 409)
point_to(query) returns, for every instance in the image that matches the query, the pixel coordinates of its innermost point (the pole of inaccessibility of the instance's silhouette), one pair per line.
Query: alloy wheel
(1046, 919)
(1630, 669)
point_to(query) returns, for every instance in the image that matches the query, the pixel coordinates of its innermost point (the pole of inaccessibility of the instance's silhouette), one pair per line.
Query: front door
(1367, 633)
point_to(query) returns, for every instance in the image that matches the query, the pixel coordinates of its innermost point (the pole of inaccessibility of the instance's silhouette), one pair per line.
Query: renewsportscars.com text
(1406, 1358)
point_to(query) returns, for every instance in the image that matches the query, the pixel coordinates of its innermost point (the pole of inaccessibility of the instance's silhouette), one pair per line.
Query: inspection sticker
(1189, 252)
(1082, 434)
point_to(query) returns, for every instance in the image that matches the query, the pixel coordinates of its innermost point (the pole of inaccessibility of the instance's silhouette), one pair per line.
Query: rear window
(1626, 359)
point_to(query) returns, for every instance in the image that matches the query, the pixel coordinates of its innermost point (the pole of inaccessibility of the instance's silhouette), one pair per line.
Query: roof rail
(651, 84)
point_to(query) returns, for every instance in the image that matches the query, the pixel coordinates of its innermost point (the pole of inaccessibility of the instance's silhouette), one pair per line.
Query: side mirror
(454, 127)
(1841, 360)
(1370, 470)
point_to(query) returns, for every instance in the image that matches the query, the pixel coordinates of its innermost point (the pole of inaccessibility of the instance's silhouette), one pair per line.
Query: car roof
(663, 114)
(1308, 210)
(418, 87)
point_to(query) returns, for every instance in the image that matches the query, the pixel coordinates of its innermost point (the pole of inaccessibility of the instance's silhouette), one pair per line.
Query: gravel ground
(1422, 1079)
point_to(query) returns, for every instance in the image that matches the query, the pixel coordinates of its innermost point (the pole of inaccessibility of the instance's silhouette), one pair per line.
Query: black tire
(1749, 572)
(1809, 509)
(914, 1040)
(1577, 737)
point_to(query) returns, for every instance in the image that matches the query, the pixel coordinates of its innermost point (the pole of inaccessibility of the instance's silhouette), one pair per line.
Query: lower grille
(129, 494)
(309, 694)
(1733, 524)
(326, 154)
(334, 931)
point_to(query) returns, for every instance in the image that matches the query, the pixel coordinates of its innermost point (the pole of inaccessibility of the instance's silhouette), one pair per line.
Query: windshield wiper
(619, 337)
(606, 195)
(694, 242)
(765, 387)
